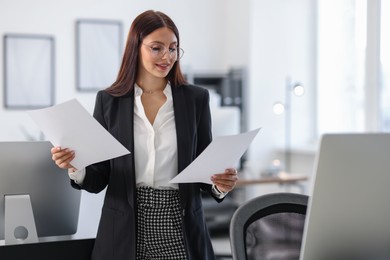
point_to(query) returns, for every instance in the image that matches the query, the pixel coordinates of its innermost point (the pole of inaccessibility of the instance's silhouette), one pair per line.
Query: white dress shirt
(155, 146)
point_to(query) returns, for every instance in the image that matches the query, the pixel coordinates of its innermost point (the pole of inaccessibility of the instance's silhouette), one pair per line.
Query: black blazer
(116, 237)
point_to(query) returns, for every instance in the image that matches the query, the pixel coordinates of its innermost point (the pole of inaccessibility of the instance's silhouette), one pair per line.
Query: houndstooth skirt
(159, 229)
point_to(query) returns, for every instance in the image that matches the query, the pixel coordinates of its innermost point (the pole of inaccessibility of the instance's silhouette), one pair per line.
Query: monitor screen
(26, 168)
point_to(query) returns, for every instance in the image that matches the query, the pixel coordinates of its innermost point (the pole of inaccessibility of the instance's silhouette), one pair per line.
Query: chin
(161, 74)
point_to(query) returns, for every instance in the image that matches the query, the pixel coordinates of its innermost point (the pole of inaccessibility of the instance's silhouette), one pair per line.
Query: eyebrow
(158, 42)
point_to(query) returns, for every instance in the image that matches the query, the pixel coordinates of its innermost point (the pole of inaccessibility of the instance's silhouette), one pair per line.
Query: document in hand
(222, 153)
(69, 125)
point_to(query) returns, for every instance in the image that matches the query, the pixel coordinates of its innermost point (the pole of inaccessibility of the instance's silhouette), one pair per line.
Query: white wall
(210, 33)
(214, 35)
(282, 44)
(273, 39)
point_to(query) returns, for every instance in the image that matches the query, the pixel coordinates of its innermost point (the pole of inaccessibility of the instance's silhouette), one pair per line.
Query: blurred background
(295, 68)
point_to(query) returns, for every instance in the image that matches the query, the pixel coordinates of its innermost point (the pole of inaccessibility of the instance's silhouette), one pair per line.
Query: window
(385, 67)
(341, 68)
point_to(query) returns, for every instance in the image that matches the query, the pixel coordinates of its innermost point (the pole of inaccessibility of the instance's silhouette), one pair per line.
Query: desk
(55, 250)
(282, 178)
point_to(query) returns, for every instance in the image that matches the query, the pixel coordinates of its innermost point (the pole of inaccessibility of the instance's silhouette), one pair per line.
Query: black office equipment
(80, 249)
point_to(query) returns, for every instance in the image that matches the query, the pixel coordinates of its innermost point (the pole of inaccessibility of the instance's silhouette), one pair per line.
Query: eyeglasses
(158, 51)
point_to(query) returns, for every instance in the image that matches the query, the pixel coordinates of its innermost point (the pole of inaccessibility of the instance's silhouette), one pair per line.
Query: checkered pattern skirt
(160, 234)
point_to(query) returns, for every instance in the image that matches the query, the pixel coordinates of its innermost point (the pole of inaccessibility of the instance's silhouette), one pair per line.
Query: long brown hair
(143, 24)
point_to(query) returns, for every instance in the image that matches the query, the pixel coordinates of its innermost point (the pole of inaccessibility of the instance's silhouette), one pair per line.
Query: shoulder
(104, 96)
(107, 103)
(193, 90)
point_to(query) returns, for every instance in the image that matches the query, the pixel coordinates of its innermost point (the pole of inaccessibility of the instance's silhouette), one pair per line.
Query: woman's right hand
(63, 157)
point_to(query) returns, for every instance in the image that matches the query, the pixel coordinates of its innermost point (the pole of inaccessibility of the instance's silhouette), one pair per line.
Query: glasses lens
(156, 51)
(159, 51)
(180, 53)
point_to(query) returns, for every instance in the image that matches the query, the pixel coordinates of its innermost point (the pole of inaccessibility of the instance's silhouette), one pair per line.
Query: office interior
(336, 50)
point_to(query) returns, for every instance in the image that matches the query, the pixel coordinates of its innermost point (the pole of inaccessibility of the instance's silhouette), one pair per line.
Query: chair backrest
(269, 227)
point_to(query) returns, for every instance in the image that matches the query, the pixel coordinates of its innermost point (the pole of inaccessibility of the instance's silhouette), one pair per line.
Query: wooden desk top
(281, 178)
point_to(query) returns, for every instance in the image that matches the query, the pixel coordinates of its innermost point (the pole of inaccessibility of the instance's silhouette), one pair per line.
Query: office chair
(269, 227)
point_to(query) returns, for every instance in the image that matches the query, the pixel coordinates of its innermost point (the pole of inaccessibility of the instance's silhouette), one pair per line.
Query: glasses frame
(180, 52)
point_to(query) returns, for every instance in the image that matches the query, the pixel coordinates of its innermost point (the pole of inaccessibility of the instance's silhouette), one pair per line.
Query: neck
(151, 85)
(150, 92)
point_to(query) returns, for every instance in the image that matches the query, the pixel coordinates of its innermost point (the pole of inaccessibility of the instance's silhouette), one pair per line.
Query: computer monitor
(27, 170)
(348, 213)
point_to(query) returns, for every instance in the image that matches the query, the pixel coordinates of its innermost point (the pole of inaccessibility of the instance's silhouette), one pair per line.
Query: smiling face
(157, 55)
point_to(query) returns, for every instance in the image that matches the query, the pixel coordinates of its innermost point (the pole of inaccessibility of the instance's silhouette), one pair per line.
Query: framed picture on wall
(98, 53)
(28, 71)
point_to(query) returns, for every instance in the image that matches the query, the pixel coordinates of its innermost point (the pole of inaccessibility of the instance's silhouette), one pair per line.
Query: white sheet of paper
(222, 153)
(69, 125)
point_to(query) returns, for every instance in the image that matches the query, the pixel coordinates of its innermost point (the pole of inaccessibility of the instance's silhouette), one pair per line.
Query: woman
(166, 124)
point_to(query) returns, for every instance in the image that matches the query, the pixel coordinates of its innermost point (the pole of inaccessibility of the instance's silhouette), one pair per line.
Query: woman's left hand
(226, 181)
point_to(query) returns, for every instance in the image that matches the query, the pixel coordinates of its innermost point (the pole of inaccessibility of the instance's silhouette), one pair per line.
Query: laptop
(348, 215)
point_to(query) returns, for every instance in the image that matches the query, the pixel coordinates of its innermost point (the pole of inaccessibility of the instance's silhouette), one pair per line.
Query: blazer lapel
(183, 136)
(182, 126)
(126, 134)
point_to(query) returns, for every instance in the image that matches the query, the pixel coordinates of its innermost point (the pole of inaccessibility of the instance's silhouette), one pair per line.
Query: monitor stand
(19, 220)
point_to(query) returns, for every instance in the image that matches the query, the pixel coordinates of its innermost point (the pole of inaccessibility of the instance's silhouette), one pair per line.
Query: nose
(165, 54)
